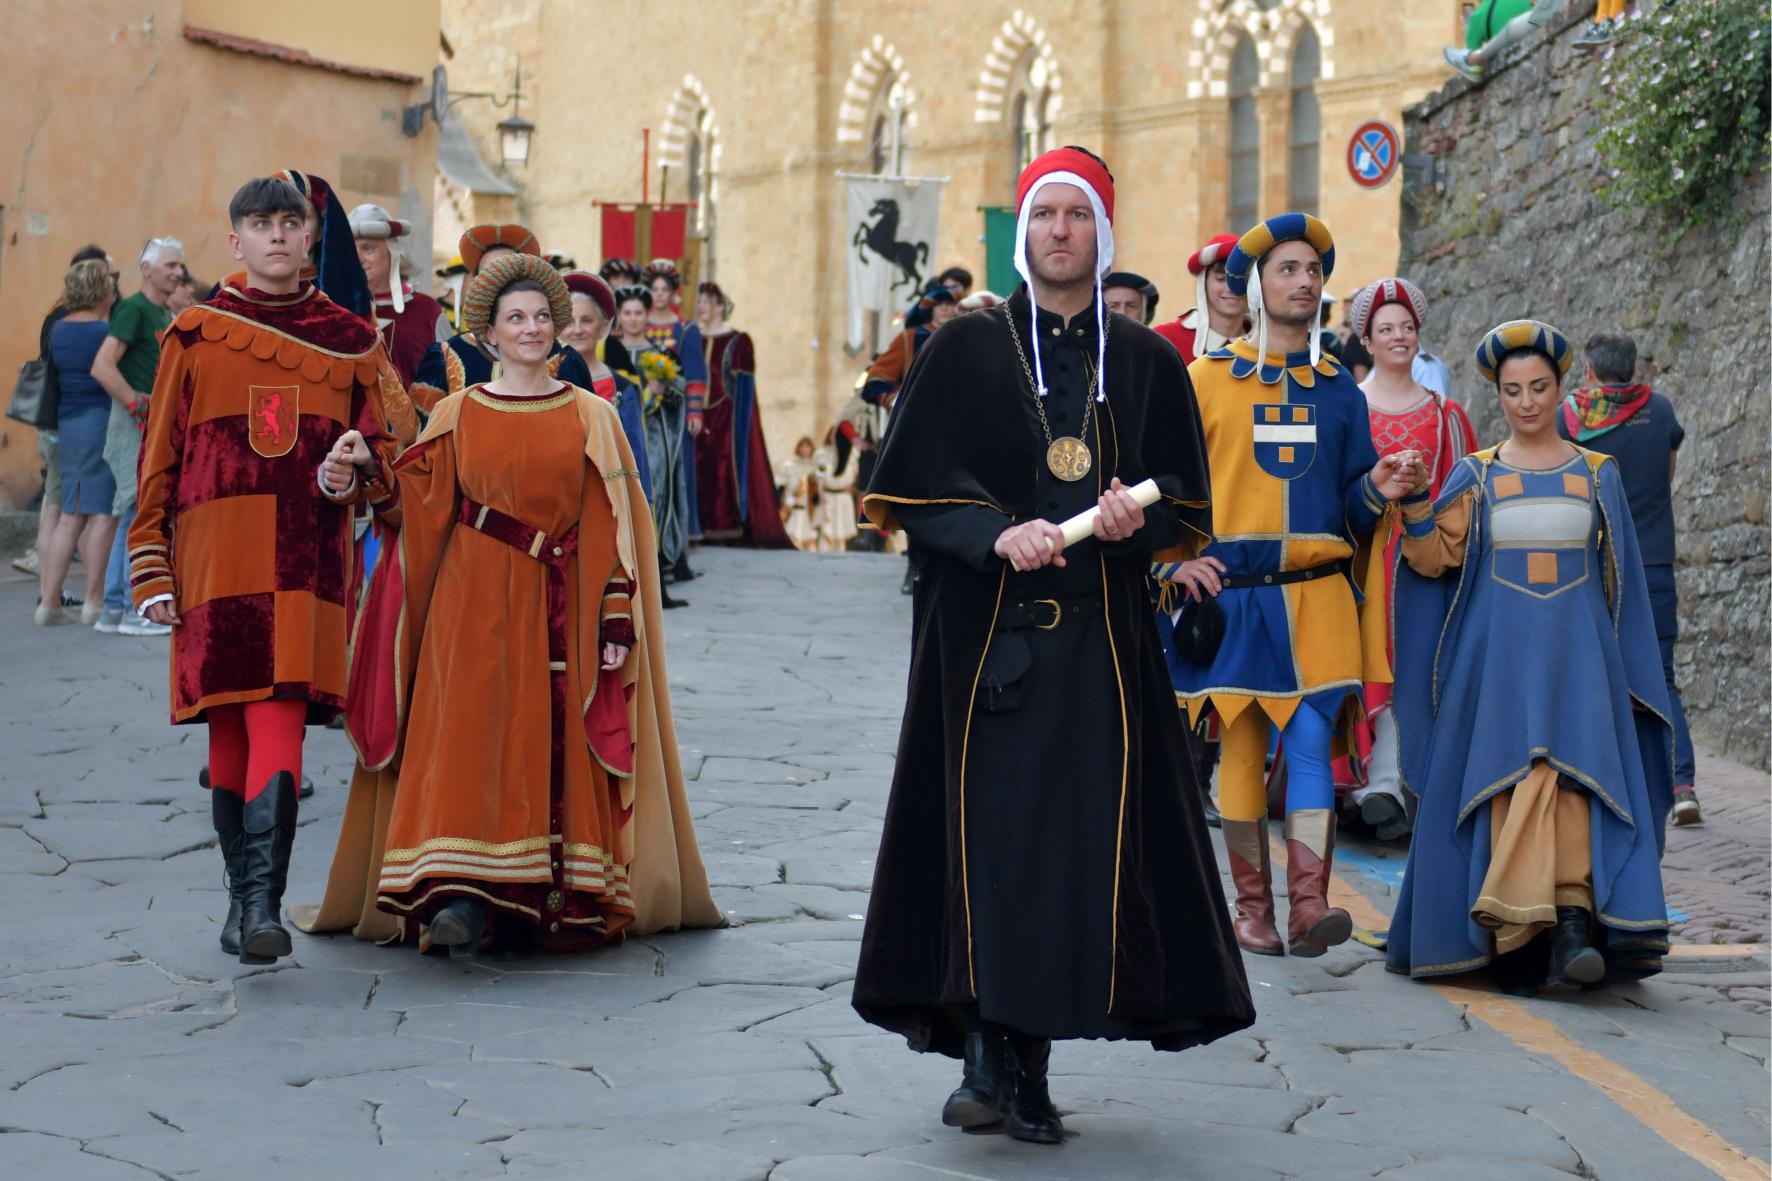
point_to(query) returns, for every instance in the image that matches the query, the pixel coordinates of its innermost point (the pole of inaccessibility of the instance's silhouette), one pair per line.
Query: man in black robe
(1045, 870)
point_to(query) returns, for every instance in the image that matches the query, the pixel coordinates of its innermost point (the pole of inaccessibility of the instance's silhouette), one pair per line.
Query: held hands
(1120, 516)
(1396, 476)
(1200, 577)
(350, 452)
(1031, 545)
(614, 656)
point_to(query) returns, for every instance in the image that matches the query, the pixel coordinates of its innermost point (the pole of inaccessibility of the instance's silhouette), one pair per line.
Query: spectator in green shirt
(1493, 26)
(125, 368)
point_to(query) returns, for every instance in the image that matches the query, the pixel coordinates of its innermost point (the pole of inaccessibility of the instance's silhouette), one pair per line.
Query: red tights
(250, 742)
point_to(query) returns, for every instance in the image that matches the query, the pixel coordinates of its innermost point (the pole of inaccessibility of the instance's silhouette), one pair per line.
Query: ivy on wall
(1688, 108)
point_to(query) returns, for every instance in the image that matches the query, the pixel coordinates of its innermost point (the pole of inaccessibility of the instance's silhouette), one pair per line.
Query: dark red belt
(557, 554)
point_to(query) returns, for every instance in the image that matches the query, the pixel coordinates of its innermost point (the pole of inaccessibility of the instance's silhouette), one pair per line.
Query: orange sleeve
(151, 537)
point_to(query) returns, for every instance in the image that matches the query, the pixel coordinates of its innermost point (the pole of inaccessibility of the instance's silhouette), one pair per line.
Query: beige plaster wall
(116, 128)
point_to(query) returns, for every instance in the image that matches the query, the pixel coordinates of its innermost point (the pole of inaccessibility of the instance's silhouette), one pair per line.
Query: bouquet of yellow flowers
(659, 367)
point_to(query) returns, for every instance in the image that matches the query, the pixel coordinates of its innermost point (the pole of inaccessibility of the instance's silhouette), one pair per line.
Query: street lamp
(514, 133)
(513, 139)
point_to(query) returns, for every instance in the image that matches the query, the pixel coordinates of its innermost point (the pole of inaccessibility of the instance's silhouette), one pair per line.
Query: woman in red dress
(1405, 416)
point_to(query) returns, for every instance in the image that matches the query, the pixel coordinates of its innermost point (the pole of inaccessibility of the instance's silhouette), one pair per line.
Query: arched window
(1031, 108)
(1245, 138)
(887, 144)
(698, 156)
(1307, 122)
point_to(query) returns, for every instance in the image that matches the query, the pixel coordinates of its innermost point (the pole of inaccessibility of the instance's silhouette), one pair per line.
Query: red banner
(646, 232)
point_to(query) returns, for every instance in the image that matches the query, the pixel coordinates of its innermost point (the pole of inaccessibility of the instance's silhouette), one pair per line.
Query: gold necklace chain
(1039, 402)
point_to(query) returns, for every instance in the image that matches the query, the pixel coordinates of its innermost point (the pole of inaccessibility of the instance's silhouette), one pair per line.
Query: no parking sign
(1373, 153)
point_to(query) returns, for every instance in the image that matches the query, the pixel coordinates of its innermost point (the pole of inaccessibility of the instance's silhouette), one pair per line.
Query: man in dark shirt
(1637, 426)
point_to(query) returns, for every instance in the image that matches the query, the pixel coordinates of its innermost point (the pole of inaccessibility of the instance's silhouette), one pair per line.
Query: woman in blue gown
(1531, 708)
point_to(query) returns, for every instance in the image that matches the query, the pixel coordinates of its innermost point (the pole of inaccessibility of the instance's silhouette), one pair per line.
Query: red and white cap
(1198, 263)
(1068, 166)
(1368, 300)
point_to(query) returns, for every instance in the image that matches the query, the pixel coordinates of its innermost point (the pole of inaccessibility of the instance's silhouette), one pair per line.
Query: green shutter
(999, 249)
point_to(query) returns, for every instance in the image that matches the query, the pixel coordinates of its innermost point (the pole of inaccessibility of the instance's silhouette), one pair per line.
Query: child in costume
(1530, 704)
(242, 542)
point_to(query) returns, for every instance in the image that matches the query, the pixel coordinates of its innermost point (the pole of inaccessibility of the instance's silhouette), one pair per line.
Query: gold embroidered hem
(1540, 858)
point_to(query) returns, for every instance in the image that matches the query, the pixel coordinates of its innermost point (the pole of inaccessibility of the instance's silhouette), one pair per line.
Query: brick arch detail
(1019, 36)
(875, 67)
(1274, 33)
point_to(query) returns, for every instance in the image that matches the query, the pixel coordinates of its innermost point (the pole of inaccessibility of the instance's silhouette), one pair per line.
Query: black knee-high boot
(225, 810)
(1032, 1117)
(988, 1084)
(269, 820)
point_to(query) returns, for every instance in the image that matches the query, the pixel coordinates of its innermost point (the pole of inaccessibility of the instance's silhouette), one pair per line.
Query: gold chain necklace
(1067, 456)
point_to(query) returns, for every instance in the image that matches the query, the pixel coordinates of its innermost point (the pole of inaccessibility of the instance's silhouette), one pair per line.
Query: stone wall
(1509, 224)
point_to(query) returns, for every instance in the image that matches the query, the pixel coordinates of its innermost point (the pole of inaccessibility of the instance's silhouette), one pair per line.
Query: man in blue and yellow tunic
(1298, 488)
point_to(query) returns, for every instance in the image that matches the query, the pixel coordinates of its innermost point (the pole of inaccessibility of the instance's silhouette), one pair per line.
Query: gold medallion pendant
(1069, 458)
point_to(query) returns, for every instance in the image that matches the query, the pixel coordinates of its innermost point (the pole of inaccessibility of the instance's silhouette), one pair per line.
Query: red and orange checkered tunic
(252, 392)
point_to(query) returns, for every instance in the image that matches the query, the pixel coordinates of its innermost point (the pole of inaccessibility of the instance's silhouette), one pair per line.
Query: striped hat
(482, 294)
(1368, 300)
(1536, 335)
(1251, 248)
(1287, 227)
(479, 239)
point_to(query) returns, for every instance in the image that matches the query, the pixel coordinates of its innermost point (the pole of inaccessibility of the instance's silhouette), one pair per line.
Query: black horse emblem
(882, 238)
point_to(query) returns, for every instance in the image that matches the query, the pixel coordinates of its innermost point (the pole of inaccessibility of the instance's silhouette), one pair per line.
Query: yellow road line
(1539, 1035)
(1655, 1109)
(1720, 950)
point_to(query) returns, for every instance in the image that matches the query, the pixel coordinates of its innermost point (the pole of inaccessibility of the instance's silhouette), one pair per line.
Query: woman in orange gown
(540, 796)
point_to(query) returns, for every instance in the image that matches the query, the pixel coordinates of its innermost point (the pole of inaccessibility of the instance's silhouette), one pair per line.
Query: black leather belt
(1045, 614)
(1285, 577)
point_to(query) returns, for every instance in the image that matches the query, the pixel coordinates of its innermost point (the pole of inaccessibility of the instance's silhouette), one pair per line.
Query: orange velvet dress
(528, 778)
(252, 391)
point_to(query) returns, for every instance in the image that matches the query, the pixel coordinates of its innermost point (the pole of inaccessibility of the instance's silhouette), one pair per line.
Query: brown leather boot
(1312, 925)
(1245, 841)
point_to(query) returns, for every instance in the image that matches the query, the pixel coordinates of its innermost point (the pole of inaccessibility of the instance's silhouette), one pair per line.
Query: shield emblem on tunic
(272, 416)
(1285, 439)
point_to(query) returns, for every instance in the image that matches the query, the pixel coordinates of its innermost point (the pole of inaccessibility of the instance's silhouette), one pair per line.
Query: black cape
(1044, 859)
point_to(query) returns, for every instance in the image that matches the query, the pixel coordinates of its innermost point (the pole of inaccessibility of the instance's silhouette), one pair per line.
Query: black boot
(269, 820)
(1574, 960)
(307, 785)
(224, 809)
(681, 571)
(458, 925)
(909, 585)
(1032, 1118)
(987, 1085)
(664, 596)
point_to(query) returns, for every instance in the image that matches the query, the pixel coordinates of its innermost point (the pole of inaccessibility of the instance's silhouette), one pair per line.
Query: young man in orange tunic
(242, 544)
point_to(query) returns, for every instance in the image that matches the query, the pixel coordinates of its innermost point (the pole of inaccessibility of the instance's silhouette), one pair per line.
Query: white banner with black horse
(892, 223)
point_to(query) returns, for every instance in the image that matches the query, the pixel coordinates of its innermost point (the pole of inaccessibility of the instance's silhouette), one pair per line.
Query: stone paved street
(132, 1047)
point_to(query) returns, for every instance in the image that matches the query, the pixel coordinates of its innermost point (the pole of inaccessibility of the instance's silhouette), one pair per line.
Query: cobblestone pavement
(134, 1048)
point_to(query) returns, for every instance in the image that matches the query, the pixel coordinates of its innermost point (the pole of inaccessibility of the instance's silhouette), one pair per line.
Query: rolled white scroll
(1083, 524)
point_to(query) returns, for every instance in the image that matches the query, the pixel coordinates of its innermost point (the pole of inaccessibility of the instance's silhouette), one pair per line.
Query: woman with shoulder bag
(86, 485)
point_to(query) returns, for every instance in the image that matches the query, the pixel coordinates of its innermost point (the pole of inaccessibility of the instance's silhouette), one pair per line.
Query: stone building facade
(1201, 107)
(1510, 225)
